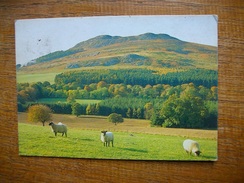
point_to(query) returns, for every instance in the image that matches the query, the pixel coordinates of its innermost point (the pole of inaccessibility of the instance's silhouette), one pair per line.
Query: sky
(38, 37)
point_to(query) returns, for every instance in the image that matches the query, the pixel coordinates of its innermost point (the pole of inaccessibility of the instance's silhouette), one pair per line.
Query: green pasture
(36, 77)
(36, 140)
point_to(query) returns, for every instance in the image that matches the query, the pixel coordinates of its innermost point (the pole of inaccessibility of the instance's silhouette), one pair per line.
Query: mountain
(149, 49)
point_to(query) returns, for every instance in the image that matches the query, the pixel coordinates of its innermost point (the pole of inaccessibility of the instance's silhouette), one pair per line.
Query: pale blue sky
(37, 37)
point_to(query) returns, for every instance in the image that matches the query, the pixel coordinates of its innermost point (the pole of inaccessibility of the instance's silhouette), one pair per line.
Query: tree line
(31, 92)
(142, 77)
(184, 105)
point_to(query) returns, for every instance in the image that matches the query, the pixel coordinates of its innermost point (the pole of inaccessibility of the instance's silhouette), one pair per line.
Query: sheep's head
(104, 132)
(197, 153)
(51, 123)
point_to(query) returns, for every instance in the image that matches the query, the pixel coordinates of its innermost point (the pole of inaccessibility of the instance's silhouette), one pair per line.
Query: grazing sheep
(107, 137)
(191, 146)
(58, 128)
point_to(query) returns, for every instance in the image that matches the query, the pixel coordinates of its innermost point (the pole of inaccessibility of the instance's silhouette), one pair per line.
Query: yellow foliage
(39, 113)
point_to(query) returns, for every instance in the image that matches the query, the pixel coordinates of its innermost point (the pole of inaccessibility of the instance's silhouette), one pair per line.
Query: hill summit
(105, 40)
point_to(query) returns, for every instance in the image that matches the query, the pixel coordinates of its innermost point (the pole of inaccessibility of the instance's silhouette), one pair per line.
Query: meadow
(134, 140)
(23, 77)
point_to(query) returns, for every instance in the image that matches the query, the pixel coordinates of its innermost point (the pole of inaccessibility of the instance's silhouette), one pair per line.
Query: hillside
(146, 50)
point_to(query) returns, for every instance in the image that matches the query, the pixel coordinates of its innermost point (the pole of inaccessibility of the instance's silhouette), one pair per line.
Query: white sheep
(58, 128)
(191, 146)
(107, 137)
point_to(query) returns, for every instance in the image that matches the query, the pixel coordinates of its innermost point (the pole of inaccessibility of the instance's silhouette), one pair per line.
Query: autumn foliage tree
(39, 113)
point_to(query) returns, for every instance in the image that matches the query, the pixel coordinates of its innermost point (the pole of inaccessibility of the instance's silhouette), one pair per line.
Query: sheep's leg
(55, 133)
(112, 143)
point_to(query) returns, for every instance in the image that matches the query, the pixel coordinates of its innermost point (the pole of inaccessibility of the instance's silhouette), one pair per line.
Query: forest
(186, 99)
(142, 77)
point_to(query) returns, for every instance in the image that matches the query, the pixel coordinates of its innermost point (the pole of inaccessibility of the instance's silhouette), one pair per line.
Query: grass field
(36, 77)
(134, 139)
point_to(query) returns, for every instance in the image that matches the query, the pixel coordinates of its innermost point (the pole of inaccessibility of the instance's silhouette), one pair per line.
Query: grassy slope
(83, 140)
(153, 49)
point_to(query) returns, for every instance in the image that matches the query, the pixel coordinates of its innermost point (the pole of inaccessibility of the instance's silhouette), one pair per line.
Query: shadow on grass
(58, 136)
(134, 150)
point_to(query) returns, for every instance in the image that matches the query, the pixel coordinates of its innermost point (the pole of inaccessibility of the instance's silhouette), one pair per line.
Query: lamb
(191, 146)
(107, 137)
(58, 128)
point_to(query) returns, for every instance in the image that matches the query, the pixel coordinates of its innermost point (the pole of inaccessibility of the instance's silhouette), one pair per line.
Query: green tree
(134, 113)
(76, 109)
(167, 112)
(22, 96)
(90, 109)
(192, 111)
(97, 108)
(115, 118)
(139, 113)
(39, 113)
(148, 110)
(156, 120)
(212, 116)
(129, 113)
(71, 97)
(186, 111)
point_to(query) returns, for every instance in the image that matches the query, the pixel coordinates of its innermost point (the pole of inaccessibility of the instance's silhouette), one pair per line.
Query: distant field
(63, 100)
(24, 78)
(134, 139)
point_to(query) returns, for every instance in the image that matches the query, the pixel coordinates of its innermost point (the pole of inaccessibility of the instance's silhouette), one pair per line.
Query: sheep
(58, 128)
(191, 146)
(107, 137)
